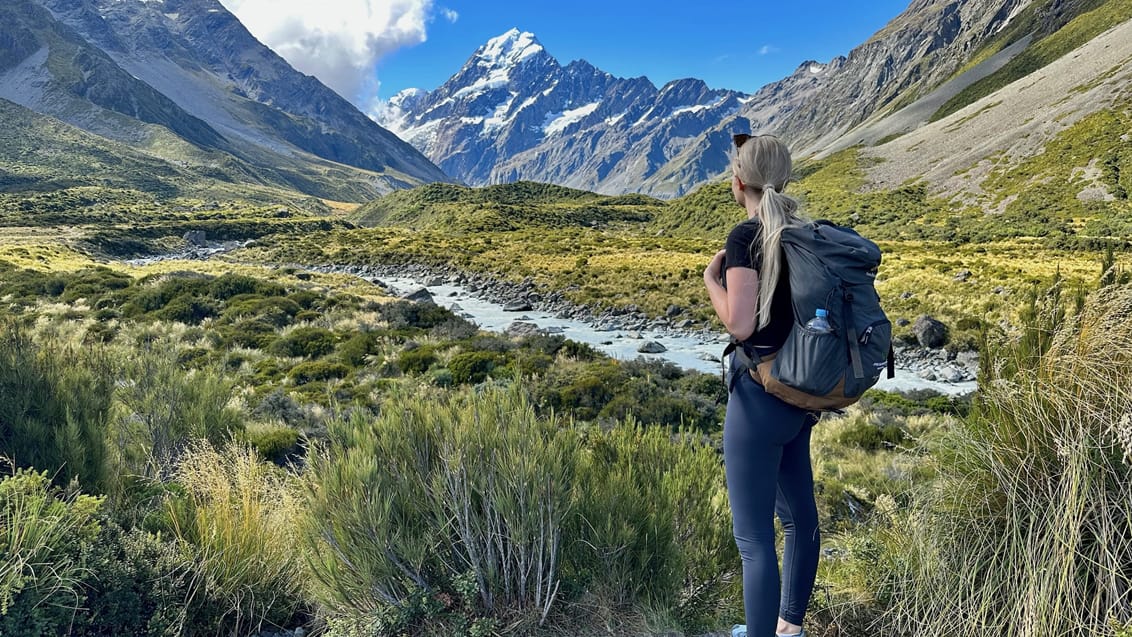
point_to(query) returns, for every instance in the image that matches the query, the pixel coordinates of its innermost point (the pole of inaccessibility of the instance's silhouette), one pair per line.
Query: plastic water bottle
(819, 324)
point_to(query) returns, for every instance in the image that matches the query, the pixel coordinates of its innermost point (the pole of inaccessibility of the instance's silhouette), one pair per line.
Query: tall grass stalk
(37, 524)
(238, 524)
(1029, 527)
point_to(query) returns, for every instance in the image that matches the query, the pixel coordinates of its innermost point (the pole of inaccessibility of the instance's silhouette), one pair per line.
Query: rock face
(126, 70)
(514, 113)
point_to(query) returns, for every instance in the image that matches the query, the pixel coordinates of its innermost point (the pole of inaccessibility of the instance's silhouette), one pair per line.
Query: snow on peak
(816, 68)
(509, 49)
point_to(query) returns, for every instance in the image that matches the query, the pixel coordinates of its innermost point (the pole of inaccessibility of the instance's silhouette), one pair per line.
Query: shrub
(354, 350)
(471, 367)
(501, 515)
(41, 530)
(162, 408)
(416, 360)
(274, 442)
(229, 285)
(407, 314)
(55, 407)
(307, 342)
(311, 371)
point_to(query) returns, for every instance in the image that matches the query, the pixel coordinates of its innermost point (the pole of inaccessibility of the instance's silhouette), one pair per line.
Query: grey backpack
(833, 268)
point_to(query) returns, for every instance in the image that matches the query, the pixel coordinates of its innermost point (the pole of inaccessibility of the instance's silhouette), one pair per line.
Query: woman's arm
(734, 305)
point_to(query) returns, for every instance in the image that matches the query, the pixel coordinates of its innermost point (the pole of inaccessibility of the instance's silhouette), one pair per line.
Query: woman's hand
(714, 271)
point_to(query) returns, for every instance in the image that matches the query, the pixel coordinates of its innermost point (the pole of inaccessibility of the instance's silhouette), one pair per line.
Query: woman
(766, 442)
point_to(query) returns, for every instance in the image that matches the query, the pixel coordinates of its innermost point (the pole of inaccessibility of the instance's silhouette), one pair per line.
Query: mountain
(507, 115)
(183, 80)
(513, 113)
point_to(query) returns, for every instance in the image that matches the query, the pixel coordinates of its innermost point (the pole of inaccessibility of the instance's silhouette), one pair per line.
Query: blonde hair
(763, 163)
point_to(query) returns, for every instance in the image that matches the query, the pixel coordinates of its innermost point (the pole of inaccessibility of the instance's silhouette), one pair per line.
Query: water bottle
(819, 324)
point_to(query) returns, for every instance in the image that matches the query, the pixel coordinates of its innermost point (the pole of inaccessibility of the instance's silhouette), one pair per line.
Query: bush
(55, 408)
(407, 315)
(502, 515)
(162, 408)
(41, 532)
(274, 443)
(238, 520)
(416, 360)
(311, 371)
(471, 367)
(306, 342)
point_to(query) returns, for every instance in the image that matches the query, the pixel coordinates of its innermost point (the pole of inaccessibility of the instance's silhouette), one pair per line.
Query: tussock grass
(37, 523)
(1027, 527)
(238, 521)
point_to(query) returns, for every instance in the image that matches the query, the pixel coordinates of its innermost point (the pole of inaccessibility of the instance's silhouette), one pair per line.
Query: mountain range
(513, 112)
(172, 96)
(184, 81)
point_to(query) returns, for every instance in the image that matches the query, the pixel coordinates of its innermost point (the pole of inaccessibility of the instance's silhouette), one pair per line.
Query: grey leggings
(766, 451)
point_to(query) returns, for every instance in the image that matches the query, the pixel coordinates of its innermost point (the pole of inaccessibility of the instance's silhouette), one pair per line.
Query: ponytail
(766, 160)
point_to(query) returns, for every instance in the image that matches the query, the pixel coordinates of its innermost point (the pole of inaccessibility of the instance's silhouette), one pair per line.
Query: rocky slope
(184, 80)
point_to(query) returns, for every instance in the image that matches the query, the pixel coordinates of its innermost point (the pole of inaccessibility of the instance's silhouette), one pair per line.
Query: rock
(673, 310)
(420, 295)
(962, 275)
(903, 322)
(968, 360)
(635, 334)
(607, 342)
(685, 324)
(521, 328)
(929, 332)
(517, 306)
(927, 374)
(433, 281)
(652, 347)
(906, 295)
(196, 238)
(705, 356)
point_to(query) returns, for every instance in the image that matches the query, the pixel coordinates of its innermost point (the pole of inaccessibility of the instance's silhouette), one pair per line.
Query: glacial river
(687, 351)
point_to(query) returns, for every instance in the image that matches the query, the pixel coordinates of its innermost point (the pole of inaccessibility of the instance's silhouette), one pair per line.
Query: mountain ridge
(190, 67)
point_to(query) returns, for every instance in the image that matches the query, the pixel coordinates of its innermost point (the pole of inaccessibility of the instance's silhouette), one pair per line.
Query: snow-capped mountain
(513, 112)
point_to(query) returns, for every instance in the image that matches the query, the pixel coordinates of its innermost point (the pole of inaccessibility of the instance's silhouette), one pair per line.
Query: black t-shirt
(744, 249)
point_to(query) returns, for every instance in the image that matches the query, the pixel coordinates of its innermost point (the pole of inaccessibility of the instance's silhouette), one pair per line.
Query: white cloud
(339, 42)
(767, 49)
(450, 15)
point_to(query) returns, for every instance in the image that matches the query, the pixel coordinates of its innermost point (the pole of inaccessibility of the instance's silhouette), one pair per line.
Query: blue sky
(735, 45)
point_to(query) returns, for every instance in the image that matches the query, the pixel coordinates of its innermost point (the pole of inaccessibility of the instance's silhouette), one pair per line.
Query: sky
(368, 50)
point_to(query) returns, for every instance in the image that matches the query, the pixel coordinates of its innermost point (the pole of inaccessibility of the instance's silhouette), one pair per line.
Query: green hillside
(42, 154)
(502, 207)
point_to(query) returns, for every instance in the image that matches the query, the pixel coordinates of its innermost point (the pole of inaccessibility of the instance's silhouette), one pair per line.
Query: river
(688, 350)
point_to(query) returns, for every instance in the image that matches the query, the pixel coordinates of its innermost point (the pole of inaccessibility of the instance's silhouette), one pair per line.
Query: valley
(227, 408)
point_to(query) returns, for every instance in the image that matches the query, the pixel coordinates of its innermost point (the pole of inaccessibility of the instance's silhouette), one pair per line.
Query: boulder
(517, 306)
(929, 332)
(521, 328)
(420, 295)
(652, 347)
(196, 238)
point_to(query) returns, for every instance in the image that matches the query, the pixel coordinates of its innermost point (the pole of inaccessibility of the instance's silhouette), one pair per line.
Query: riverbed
(689, 350)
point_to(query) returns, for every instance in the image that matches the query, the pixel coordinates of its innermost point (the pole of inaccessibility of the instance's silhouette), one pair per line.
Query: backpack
(834, 268)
